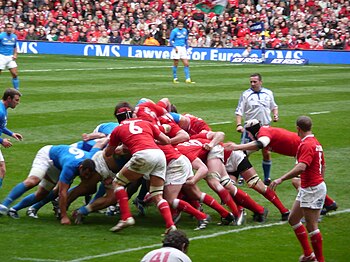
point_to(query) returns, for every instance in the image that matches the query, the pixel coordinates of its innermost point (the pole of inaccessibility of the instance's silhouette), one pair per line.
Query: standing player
(10, 99)
(8, 53)
(147, 161)
(178, 39)
(175, 245)
(257, 102)
(309, 201)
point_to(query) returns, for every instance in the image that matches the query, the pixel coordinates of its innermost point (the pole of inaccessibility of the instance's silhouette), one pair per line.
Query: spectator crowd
(293, 24)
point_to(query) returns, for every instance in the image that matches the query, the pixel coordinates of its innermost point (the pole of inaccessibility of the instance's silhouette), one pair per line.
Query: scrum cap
(123, 113)
(252, 126)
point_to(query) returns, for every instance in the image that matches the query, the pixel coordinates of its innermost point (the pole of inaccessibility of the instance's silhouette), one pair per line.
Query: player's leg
(254, 182)
(2, 169)
(266, 165)
(174, 68)
(15, 80)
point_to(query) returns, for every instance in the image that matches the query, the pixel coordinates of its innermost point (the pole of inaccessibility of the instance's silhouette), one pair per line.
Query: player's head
(304, 123)
(87, 168)
(173, 108)
(176, 239)
(252, 126)
(180, 23)
(123, 110)
(255, 80)
(11, 97)
(9, 28)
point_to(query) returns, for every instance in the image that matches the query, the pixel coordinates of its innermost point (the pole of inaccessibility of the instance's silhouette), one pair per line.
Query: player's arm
(201, 171)
(239, 125)
(172, 38)
(15, 52)
(215, 137)
(90, 136)
(180, 137)
(275, 114)
(296, 171)
(163, 139)
(63, 197)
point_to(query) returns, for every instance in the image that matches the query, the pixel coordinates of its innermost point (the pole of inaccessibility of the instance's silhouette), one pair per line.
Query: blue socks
(25, 202)
(175, 71)
(187, 72)
(51, 196)
(1, 179)
(100, 193)
(266, 165)
(15, 83)
(83, 210)
(15, 193)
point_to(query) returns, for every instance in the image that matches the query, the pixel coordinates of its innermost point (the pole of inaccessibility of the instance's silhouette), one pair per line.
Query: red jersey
(136, 134)
(150, 111)
(170, 152)
(282, 141)
(310, 152)
(197, 125)
(193, 148)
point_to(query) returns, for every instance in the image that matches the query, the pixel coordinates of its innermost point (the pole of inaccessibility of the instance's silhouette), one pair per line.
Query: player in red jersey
(277, 140)
(310, 199)
(237, 163)
(216, 176)
(147, 161)
(147, 110)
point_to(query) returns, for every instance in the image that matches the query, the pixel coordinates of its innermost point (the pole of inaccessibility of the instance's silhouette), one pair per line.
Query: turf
(65, 96)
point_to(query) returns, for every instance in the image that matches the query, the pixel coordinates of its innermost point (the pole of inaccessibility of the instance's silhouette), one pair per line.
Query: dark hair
(176, 239)
(180, 21)
(304, 123)
(123, 110)
(173, 108)
(89, 165)
(256, 75)
(10, 92)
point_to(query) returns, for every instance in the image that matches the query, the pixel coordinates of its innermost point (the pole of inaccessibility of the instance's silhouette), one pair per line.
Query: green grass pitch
(65, 96)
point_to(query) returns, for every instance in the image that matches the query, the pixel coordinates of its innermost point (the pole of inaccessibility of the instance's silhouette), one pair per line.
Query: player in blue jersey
(53, 165)
(8, 53)
(178, 39)
(10, 99)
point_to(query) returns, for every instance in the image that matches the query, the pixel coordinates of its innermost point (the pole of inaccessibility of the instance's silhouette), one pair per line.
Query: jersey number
(134, 129)
(160, 257)
(76, 152)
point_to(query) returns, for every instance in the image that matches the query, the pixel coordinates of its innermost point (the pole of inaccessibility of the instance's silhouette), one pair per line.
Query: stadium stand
(294, 24)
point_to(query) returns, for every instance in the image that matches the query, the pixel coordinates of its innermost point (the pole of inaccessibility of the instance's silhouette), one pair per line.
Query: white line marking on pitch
(158, 245)
(321, 112)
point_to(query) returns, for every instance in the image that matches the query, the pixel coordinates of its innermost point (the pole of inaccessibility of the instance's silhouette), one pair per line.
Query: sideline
(158, 245)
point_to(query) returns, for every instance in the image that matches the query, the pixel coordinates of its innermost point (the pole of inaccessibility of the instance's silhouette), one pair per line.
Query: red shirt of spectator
(242, 31)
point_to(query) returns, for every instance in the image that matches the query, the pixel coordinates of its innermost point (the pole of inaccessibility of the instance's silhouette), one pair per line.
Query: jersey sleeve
(114, 138)
(305, 154)
(67, 175)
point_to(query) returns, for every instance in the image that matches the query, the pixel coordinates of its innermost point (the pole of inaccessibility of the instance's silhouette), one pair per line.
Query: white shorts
(216, 152)
(312, 197)
(234, 160)
(178, 171)
(41, 163)
(148, 162)
(2, 159)
(7, 62)
(51, 178)
(102, 167)
(180, 54)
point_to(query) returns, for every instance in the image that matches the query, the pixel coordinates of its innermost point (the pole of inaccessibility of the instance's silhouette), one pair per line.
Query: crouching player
(147, 161)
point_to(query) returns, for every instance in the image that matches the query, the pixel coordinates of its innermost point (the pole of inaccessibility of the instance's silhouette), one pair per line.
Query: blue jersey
(178, 37)
(7, 43)
(68, 159)
(3, 121)
(105, 128)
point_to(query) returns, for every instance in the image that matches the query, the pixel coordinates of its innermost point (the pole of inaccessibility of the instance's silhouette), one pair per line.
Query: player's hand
(189, 51)
(14, 57)
(275, 183)
(17, 136)
(207, 147)
(275, 118)
(6, 143)
(229, 146)
(240, 129)
(65, 220)
(190, 181)
(85, 137)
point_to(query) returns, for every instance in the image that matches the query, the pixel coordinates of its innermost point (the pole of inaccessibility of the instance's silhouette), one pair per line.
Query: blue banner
(163, 52)
(257, 27)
